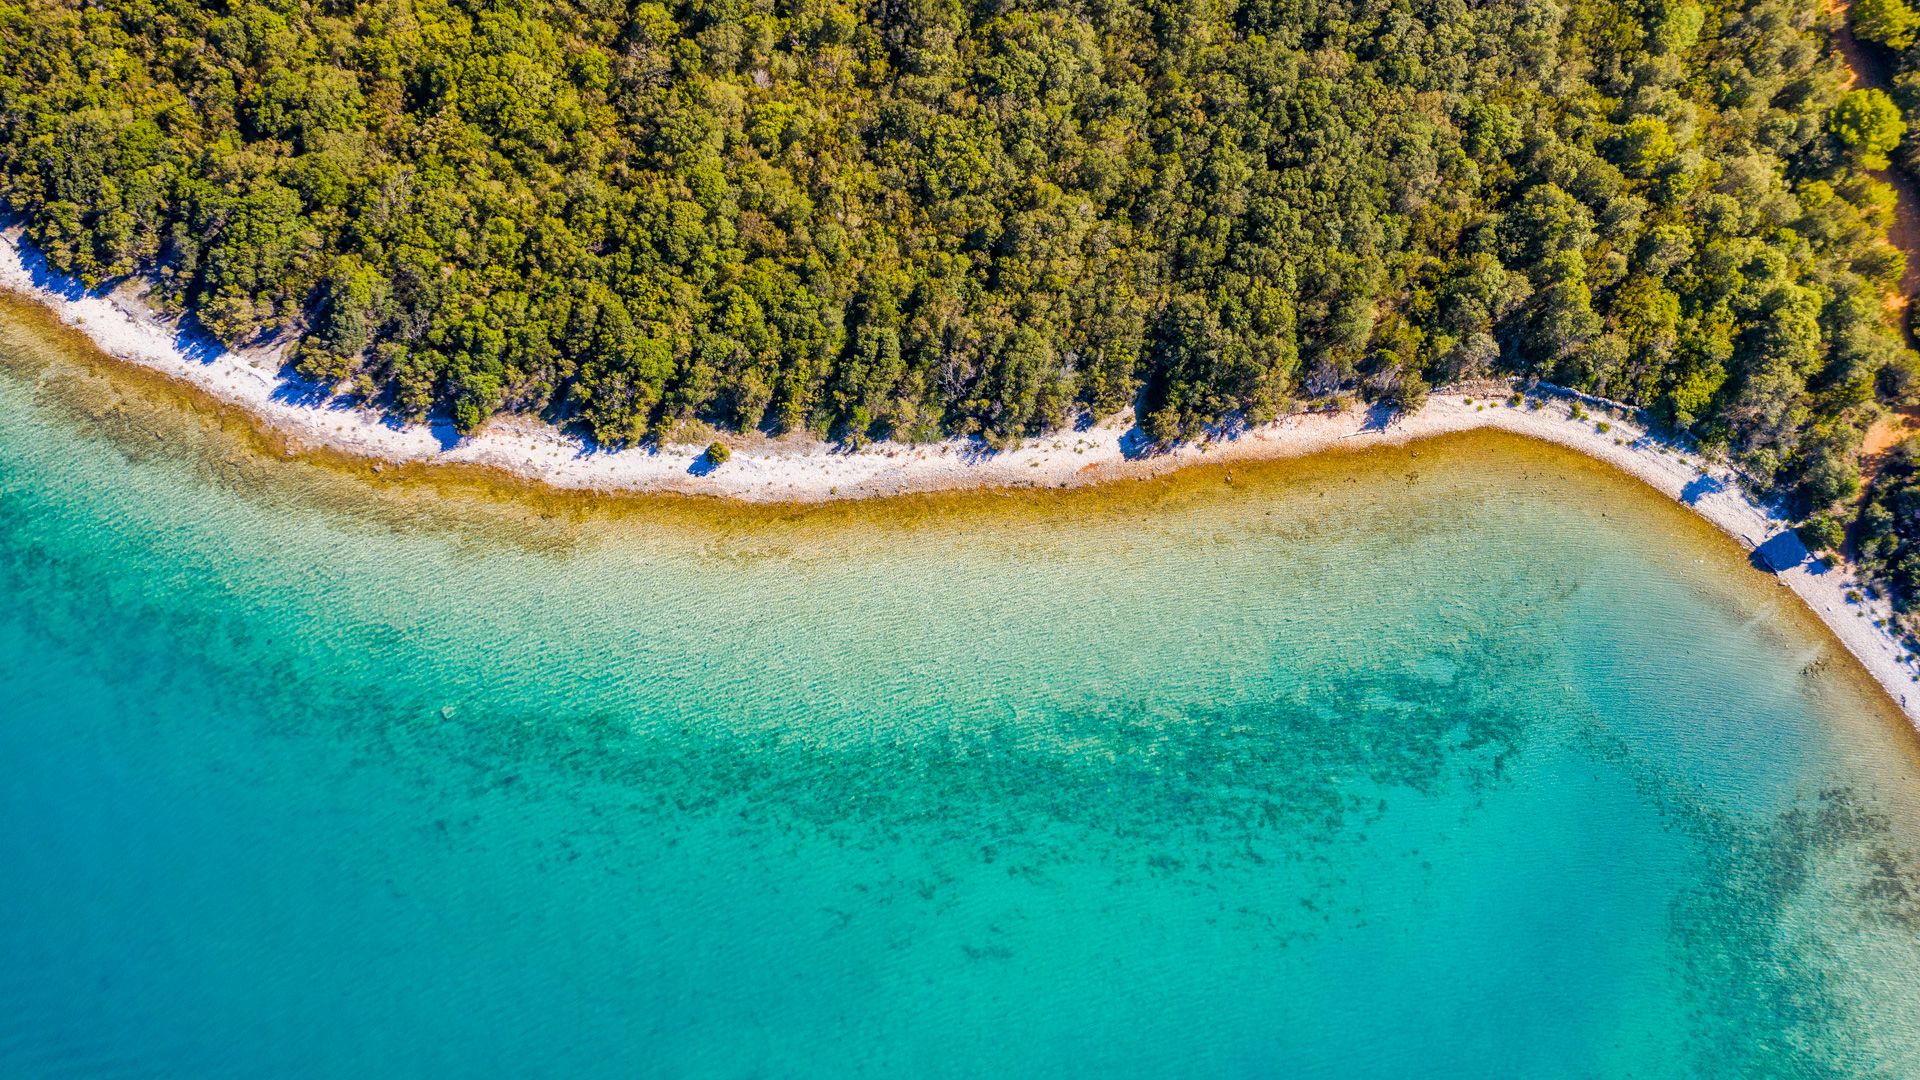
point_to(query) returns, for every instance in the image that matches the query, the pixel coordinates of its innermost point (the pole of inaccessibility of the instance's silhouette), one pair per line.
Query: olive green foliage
(1822, 532)
(925, 217)
(1889, 22)
(717, 453)
(1869, 123)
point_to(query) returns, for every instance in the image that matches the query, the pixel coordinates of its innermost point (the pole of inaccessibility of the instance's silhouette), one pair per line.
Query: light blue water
(1390, 766)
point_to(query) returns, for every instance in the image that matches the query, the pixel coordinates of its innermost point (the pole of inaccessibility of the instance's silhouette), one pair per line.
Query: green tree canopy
(1890, 22)
(1869, 123)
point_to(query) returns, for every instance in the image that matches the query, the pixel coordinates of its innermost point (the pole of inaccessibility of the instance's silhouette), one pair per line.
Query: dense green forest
(924, 217)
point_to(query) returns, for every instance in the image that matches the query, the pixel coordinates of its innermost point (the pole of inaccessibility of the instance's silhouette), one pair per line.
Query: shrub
(1822, 532)
(717, 453)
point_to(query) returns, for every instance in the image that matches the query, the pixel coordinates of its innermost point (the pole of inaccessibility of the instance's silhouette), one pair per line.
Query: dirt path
(1869, 65)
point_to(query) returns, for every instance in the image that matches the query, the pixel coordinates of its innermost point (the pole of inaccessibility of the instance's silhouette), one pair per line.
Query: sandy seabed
(803, 469)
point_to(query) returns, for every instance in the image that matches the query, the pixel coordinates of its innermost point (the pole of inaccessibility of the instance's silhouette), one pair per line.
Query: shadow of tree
(1782, 551)
(1699, 488)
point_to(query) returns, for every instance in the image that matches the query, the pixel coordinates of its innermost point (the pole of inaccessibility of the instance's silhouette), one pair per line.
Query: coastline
(799, 469)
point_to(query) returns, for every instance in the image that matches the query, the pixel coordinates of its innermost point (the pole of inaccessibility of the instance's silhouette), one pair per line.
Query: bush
(717, 453)
(1409, 393)
(1822, 532)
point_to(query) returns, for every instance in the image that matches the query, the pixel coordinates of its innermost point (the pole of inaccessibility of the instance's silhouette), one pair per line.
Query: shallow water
(1469, 760)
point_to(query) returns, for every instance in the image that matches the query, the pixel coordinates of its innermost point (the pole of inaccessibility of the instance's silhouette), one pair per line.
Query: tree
(1646, 146)
(1890, 22)
(1868, 123)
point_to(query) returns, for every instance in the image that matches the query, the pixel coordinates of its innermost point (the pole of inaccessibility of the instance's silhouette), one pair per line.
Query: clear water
(1480, 762)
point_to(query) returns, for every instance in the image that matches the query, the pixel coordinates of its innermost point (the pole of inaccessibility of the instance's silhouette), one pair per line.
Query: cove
(1469, 758)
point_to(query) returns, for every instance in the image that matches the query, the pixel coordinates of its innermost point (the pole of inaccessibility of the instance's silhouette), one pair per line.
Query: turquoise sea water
(1479, 762)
